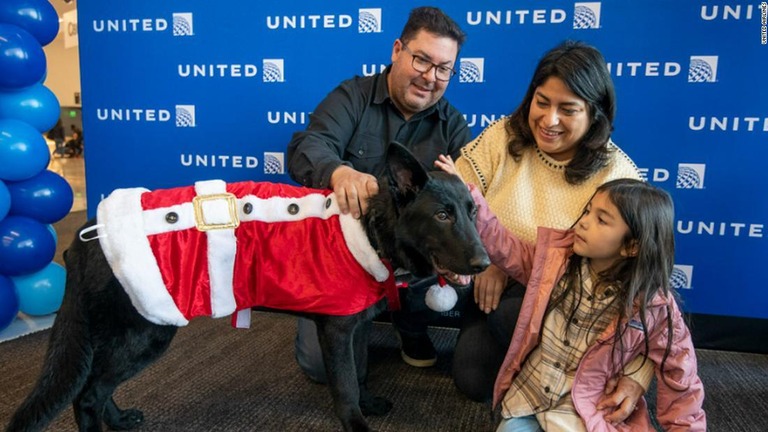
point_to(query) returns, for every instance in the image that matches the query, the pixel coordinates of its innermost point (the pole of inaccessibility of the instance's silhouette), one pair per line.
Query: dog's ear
(407, 176)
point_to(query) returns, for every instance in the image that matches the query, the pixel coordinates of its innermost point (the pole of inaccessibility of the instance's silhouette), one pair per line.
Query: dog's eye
(473, 212)
(442, 215)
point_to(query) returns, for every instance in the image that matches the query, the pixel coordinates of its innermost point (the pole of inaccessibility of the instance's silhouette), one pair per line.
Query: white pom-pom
(441, 298)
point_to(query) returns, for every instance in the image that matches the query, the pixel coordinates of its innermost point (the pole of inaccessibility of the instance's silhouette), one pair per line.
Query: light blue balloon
(22, 59)
(38, 17)
(5, 200)
(23, 150)
(46, 197)
(26, 246)
(9, 302)
(42, 292)
(36, 105)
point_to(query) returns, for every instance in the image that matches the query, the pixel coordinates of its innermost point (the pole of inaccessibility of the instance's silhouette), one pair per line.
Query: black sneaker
(417, 351)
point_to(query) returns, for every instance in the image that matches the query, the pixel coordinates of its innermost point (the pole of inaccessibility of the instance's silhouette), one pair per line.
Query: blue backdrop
(179, 91)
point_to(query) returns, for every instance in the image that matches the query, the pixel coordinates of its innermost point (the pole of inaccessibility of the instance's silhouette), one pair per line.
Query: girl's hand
(445, 163)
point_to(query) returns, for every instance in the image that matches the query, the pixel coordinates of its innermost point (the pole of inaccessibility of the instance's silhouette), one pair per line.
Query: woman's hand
(489, 285)
(620, 399)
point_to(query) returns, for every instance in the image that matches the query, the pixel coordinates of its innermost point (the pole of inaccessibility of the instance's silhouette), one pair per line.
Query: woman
(537, 167)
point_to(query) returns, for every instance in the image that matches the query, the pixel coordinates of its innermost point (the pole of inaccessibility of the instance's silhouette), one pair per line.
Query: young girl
(597, 297)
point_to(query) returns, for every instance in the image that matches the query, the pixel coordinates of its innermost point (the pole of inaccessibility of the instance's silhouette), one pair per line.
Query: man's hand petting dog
(352, 189)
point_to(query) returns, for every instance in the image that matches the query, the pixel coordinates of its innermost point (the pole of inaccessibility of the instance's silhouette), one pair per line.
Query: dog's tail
(68, 359)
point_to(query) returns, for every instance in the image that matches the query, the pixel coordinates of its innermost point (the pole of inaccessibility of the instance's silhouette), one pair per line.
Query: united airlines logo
(369, 21)
(511, 17)
(648, 69)
(185, 116)
(482, 120)
(728, 124)
(586, 16)
(144, 115)
(727, 12)
(273, 71)
(471, 70)
(288, 117)
(204, 160)
(690, 176)
(720, 228)
(217, 70)
(274, 163)
(372, 69)
(703, 69)
(182, 24)
(681, 276)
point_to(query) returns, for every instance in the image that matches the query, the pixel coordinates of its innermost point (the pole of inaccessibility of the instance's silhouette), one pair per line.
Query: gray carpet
(215, 378)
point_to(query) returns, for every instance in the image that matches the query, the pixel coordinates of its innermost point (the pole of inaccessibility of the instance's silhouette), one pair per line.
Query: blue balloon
(9, 302)
(22, 59)
(38, 17)
(41, 293)
(26, 246)
(23, 150)
(53, 233)
(35, 105)
(5, 200)
(46, 197)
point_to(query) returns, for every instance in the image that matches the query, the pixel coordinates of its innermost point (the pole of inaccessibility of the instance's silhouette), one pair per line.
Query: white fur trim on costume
(222, 247)
(155, 220)
(276, 209)
(441, 298)
(130, 256)
(361, 249)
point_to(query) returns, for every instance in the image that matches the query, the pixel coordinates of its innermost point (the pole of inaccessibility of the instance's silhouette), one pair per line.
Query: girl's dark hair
(582, 68)
(649, 213)
(434, 21)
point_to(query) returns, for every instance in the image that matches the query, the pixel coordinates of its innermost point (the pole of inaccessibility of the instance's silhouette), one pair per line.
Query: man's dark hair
(434, 21)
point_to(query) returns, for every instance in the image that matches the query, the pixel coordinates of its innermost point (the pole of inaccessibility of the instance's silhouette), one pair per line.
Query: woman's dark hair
(582, 68)
(434, 21)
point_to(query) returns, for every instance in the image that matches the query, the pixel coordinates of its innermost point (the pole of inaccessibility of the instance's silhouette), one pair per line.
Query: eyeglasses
(420, 64)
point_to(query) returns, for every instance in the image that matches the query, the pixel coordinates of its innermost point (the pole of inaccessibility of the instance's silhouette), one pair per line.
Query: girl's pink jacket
(679, 395)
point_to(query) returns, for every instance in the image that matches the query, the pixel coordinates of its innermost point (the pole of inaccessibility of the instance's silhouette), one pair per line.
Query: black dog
(423, 222)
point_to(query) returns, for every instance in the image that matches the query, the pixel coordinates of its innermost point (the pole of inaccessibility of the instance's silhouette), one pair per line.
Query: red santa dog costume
(217, 248)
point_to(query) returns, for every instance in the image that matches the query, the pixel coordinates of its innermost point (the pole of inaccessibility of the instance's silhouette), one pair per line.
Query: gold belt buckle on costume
(202, 205)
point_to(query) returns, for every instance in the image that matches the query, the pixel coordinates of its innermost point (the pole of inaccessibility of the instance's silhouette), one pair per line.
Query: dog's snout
(480, 263)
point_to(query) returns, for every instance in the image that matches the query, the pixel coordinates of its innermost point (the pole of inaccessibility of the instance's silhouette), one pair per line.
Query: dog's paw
(375, 406)
(126, 420)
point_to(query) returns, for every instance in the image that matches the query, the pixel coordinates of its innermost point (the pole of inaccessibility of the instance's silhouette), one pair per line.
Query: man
(344, 145)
